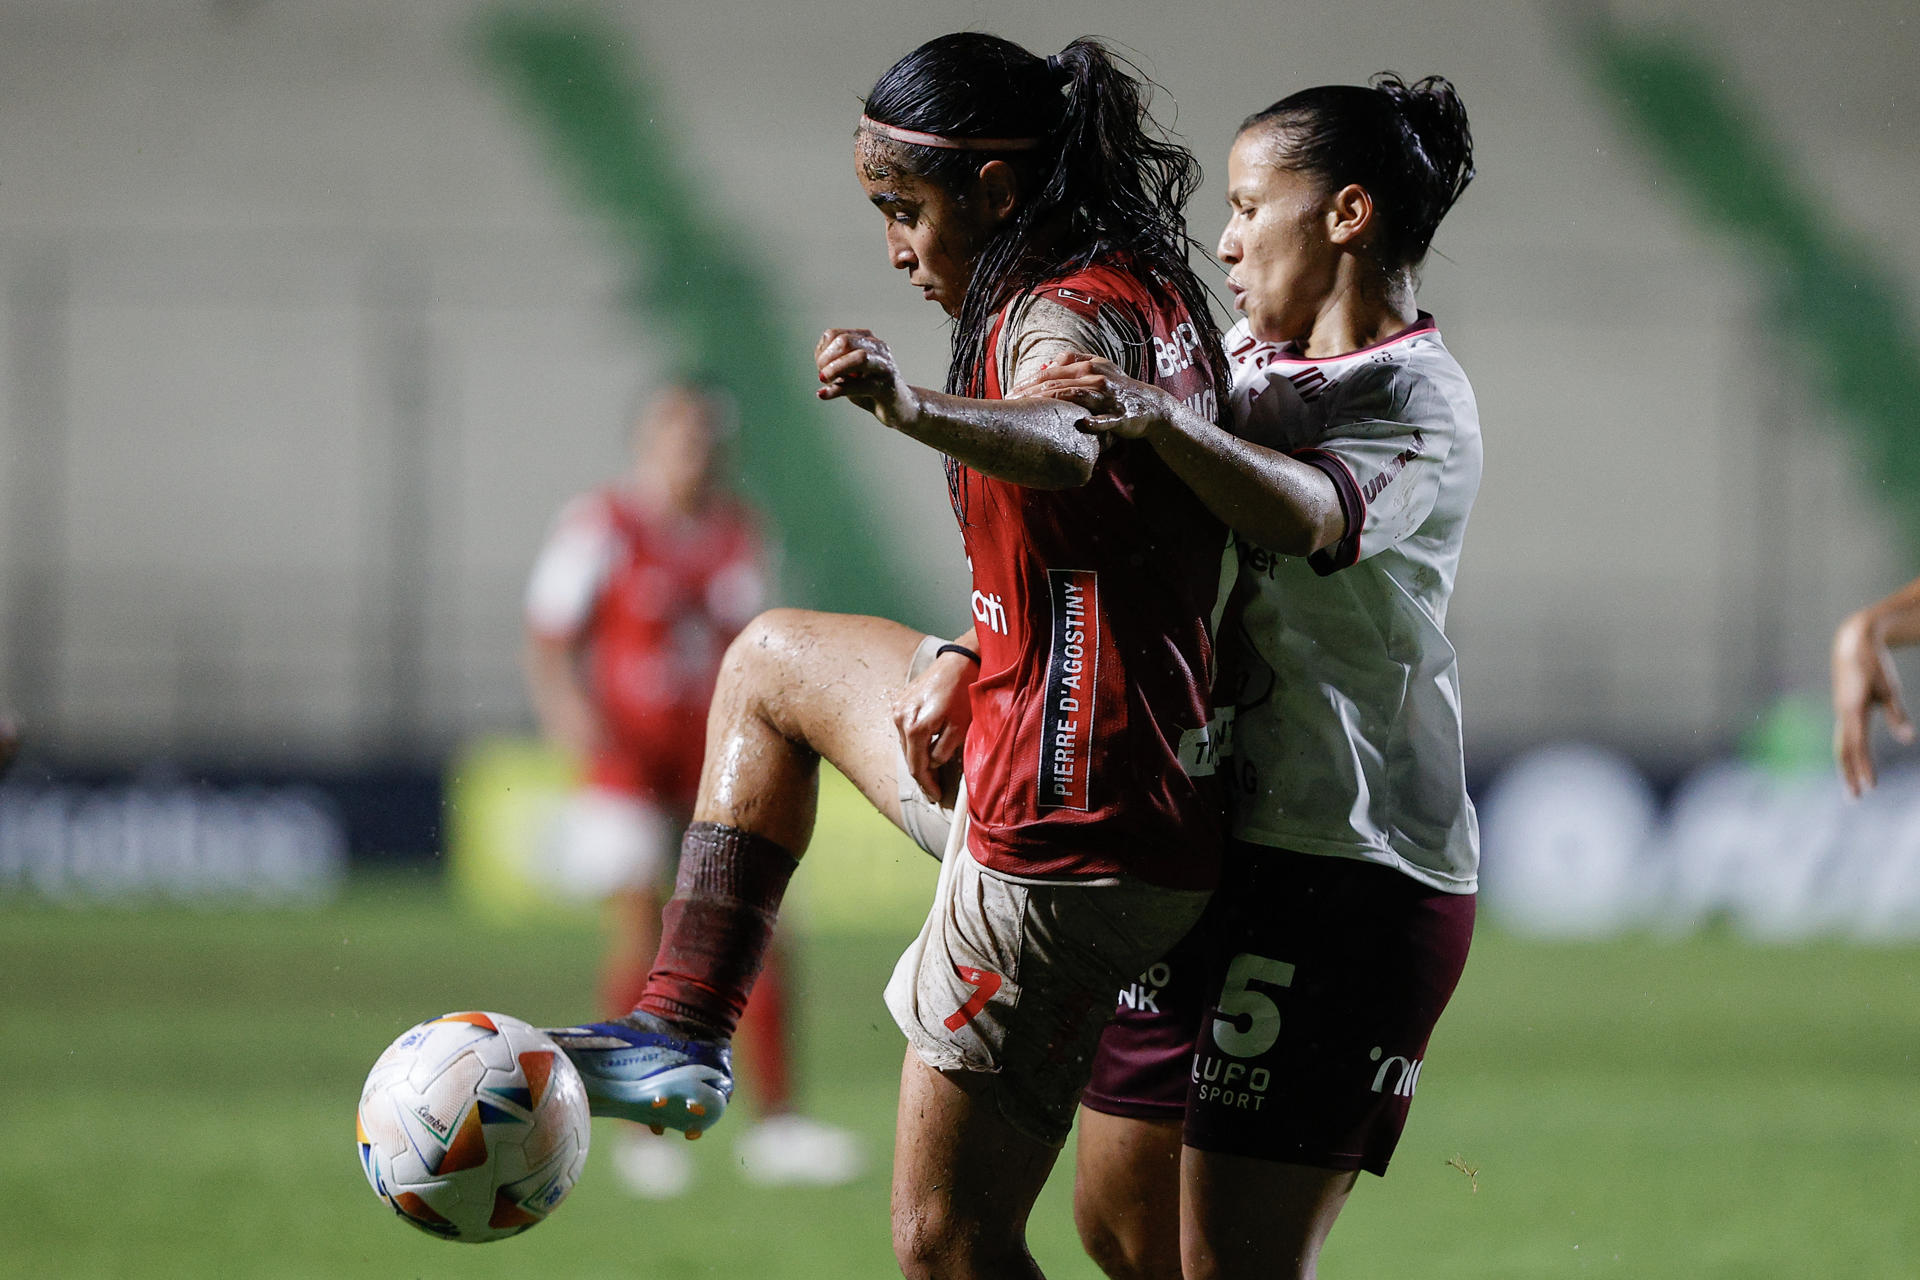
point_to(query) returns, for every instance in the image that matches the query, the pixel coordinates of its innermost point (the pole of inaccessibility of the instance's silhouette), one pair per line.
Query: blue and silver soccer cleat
(636, 1068)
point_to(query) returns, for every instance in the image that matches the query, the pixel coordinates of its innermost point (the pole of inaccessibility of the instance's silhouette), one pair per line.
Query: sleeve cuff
(1345, 553)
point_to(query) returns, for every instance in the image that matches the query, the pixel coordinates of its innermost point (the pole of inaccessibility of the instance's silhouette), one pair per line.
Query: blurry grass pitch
(177, 1089)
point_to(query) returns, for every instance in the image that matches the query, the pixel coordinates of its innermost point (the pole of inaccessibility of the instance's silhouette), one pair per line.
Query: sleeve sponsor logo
(1378, 484)
(1066, 727)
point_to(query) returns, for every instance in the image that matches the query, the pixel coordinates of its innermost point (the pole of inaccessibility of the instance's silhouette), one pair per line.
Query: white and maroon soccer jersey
(1091, 606)
(1346, 694)
(654, 601)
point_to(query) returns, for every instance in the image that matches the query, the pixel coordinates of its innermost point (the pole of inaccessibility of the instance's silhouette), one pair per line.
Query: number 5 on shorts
(1239, 998)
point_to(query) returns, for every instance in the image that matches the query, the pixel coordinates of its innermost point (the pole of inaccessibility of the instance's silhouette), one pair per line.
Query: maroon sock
(715, 929)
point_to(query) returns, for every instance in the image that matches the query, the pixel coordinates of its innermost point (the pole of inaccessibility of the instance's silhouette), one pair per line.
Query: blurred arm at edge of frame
(1864, 677)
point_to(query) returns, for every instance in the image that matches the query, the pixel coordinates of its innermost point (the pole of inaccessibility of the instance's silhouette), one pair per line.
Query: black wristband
(960, 649)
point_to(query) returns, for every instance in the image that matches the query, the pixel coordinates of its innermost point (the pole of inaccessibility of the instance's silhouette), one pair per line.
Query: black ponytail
(1099, 182)
(1408, 144)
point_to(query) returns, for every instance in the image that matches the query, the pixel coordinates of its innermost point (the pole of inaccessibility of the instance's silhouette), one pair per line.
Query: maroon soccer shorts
(1292, 1023)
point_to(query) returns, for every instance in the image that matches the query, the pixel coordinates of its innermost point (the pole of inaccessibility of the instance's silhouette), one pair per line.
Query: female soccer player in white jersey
(1289, 1033)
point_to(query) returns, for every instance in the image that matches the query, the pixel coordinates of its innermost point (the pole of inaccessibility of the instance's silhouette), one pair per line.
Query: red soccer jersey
(656, 600)
(1091, 608)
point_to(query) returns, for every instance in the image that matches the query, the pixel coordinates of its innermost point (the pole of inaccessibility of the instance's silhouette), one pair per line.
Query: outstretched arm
(560, 701)
(1272, 499)
(1031, 442)
(1864, 677)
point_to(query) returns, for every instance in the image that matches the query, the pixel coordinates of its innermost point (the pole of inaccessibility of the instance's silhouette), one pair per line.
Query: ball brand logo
(1405, 1081)
(439, 1128)
(989, 612)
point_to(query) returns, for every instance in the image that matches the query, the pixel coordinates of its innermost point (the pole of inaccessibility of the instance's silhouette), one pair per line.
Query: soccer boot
(638, 1068)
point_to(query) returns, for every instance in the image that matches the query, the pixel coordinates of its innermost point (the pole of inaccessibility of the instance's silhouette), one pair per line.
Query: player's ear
(999, 189)
(1349, 214)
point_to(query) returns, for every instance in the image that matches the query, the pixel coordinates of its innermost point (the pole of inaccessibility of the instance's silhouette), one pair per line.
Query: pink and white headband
(916, 138)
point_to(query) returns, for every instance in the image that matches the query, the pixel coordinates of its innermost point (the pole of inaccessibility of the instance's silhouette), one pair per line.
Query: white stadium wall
(303, 345)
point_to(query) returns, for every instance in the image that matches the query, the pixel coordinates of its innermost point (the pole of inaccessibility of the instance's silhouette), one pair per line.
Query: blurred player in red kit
(631, 606)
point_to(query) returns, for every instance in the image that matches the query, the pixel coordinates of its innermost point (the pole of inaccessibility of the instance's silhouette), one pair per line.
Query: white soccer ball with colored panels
(473, 1126)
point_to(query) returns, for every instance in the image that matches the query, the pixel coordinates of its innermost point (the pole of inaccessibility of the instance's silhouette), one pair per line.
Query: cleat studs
(659, 1130)
(693, 1135)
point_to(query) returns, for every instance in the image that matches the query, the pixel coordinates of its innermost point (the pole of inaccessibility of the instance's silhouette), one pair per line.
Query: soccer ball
(473, 1126)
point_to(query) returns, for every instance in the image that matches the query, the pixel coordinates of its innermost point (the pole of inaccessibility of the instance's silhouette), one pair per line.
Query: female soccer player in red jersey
(1026, 196)
(1288, 1032)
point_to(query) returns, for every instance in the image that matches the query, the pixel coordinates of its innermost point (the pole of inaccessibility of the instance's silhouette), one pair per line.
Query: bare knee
(1125, 1250)
(765, 674)
(946, 1231)
(1252, 1218)
(765, 652)
(1126, 1195)
(930, 1244)
(928, 1236)
(920, 1246)
(1203, 1264)
(1207, 1266)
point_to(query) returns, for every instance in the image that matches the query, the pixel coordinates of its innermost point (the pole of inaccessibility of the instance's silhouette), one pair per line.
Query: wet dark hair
(1407, 144)
(1101, 183)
